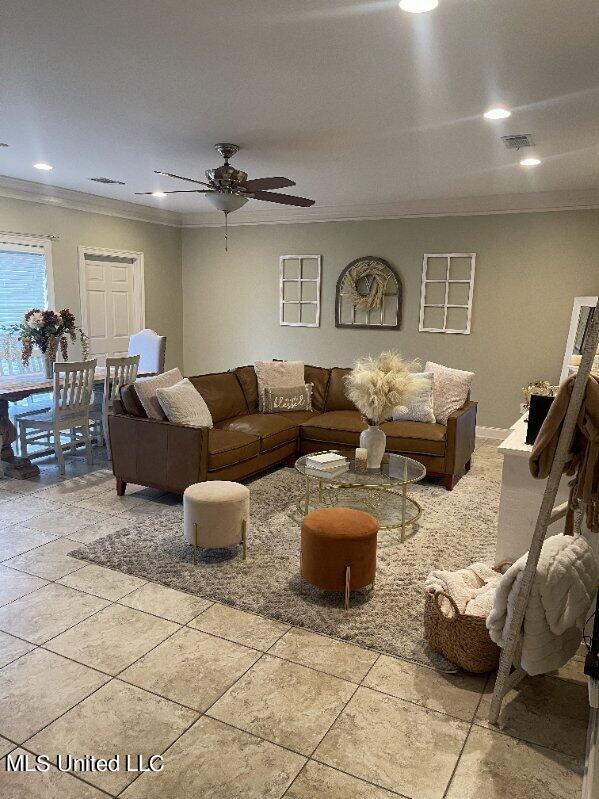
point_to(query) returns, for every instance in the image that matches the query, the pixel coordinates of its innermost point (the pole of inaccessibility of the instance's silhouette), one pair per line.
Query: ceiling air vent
(108, 181)
(518, 141)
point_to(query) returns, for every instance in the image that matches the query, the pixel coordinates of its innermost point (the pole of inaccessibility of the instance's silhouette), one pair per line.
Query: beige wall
(161, 246)
(529, 268)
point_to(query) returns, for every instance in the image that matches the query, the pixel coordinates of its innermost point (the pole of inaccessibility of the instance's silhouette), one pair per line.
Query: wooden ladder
(509, 673)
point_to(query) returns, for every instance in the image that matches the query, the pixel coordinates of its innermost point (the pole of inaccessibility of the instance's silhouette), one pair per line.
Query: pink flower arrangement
(49, 330)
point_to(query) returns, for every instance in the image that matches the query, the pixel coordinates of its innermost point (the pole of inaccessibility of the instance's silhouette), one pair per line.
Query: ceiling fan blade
(180, 177)
(267, 183)
(283, 199)
(178, 191)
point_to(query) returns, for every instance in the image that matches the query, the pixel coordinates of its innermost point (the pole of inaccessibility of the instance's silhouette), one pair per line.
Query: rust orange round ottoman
(338, 551)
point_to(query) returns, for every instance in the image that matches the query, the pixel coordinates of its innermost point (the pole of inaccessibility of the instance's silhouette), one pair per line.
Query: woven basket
(462, 639)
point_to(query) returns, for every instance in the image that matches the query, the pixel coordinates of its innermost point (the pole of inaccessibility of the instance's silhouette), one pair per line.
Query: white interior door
(110, 304)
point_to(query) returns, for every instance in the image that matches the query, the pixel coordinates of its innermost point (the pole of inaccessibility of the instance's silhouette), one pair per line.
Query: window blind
(22, 284)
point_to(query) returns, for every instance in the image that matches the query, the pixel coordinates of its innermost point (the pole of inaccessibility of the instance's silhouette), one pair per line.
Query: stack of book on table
(327, 463)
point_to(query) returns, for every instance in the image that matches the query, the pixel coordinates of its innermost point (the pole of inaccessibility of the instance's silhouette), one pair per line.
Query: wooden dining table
(12, 389)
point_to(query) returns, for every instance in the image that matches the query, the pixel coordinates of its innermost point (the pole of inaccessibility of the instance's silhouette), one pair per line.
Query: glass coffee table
(381, 492)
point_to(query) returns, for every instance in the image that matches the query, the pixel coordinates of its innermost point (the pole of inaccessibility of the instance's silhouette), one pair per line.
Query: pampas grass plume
(378, 385)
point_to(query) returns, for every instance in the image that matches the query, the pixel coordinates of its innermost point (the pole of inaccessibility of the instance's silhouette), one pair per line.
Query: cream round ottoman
(216, 515)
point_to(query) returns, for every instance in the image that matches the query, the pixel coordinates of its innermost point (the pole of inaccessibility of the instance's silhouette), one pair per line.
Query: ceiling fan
(228, 189)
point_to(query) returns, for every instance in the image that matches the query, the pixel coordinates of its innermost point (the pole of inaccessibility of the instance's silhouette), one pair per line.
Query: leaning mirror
(581, 314)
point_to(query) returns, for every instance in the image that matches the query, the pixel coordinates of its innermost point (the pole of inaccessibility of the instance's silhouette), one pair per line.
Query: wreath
(376, 277)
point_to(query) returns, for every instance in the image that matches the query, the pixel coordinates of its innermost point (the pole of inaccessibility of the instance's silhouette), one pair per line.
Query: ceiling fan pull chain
(226, 231)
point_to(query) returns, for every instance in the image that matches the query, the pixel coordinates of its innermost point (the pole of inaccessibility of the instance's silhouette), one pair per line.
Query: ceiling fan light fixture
(223, 201)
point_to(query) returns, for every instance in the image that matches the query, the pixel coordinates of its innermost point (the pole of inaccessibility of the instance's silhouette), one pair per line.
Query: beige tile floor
(94, 662)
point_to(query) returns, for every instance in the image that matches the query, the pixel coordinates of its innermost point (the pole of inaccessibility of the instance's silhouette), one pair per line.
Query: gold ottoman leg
(347, 584)
(244, 538)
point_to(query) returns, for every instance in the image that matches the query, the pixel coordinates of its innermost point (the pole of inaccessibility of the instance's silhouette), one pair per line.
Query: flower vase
(48, 365)
(374, 441)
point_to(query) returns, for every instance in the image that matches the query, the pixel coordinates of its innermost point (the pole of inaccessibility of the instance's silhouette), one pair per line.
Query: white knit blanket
(472, 589)
(563, 590)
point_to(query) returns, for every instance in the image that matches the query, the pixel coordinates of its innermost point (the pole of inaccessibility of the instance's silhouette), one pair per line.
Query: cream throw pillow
(450, 389)
(145, 388)
(183, 404)
(420, 409)
(278, 374)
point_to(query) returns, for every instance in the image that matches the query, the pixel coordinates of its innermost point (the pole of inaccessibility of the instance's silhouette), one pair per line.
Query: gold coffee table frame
(397, 472)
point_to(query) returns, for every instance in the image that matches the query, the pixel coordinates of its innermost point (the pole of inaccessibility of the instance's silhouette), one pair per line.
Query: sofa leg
(290, 461)
(121, 486)
(468, 465)
(448, 482)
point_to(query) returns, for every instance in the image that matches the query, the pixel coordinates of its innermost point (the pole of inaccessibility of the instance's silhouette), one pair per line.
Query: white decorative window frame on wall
(447, 281)
(286, 279)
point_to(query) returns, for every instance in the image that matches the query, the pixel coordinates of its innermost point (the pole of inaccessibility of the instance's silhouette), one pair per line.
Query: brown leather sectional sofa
(244, 442)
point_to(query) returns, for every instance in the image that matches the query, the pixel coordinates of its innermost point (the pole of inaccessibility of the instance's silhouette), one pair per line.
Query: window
(299, 303)
(25, 277)
(446, 294)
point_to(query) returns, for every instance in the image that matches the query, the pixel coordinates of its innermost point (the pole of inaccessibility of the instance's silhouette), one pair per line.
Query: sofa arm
(157, 453)
(461, 437)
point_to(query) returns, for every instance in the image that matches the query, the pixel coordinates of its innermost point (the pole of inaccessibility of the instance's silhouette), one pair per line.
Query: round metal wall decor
(368, 295)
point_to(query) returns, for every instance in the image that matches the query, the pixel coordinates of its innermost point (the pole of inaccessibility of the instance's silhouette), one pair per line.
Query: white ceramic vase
(374, 442)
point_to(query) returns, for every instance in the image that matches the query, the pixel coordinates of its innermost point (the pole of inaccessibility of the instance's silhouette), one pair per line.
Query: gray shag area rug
(455, 529)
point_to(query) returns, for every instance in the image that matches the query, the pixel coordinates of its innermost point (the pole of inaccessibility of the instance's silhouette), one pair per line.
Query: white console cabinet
(521, 496)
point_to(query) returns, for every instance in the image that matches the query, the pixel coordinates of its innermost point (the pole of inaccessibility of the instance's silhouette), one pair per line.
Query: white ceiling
(361, 104)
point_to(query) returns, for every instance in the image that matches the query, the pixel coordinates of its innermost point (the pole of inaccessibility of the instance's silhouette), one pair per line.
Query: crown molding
(458, 206)
(262, 214)
(81, 201)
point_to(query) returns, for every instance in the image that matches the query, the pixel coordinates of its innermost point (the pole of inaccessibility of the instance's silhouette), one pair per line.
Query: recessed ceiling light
(530, 162)
(418, 6)
(497, 113)
(44, 167)
(158, 194)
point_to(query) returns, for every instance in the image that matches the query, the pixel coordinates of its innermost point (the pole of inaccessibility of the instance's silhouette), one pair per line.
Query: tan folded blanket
(472, 589)
(583, 459)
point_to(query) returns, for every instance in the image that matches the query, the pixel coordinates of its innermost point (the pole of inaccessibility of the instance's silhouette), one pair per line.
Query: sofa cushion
(418, 437)
(249, 384)
(338, 427)
(222, 394)
(273, 429)
(131, 403)
(297, 417)
(228, 447)
(336, 398)
(319, 377)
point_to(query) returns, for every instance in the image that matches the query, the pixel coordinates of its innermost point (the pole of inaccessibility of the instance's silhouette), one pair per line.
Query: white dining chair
(151, 349)
(73, 388)
(119, 372)
(11, 364)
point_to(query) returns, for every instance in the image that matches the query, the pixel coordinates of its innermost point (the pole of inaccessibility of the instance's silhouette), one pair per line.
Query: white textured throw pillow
(145, 388)
(183, 404)
(278, 374)
(420, 409)
(450, 389)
